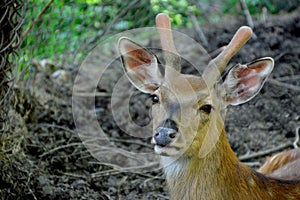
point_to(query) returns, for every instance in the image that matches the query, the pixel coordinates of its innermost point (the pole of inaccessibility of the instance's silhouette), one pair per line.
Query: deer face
(184, 106)
(180, 108)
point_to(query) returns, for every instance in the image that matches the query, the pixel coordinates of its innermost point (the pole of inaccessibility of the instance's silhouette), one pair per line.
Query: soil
(43, 156)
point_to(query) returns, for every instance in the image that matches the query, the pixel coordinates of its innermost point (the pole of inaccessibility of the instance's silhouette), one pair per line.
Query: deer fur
(188, 128)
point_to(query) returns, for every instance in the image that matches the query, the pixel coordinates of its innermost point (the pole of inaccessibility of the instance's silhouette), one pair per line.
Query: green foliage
(255, 6)
(177, 10)
(65, 31)
(66, 25)
(63, 25)
(230, 6)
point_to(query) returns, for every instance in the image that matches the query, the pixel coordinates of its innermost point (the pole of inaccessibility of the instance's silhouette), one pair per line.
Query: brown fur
(221, 176)
(218, 174)
(284, 165)
(200, 162)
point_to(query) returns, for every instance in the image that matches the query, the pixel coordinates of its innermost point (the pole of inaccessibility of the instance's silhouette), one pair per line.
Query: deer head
(187, 108)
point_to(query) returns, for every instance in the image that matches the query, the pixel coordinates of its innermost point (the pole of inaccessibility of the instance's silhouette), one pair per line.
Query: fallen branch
(248, 16)
(28, 186)
(295, 143)
(137, 142)
(279, 56)
(288, 78)
(265, 152)
(252, 164)
(61, 147)
(289, 86)
(75, 175)
(92, 94)
(125, 170)
(199, 33)
(247, 13)
(131, 142)
(160, 177)
(264, 15)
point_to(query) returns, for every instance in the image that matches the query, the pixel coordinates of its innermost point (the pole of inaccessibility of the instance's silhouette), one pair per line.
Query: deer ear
(140, 66)
(243, 82)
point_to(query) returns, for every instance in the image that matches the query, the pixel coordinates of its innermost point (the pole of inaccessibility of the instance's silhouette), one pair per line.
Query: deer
(188, 126)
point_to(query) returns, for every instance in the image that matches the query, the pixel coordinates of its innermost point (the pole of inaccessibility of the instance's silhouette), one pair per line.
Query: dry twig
(134, 170)
(95, 94)
(265, 152)
(264, 15)
(247, 13)
(295, 143)
(37, 19)
(132, 142)
(199, 33)
(278, 83)
(61, 147)
(252, 164)
(279, 56)
(288, 78)
(152, 178)
(248, 16)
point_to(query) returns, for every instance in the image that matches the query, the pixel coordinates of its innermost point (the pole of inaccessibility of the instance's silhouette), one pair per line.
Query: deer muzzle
(165, 133)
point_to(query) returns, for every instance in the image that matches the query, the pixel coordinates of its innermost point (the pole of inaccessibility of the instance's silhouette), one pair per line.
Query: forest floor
(43, 156)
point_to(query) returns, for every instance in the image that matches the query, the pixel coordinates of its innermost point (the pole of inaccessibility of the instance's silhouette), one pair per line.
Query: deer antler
(171, 56)
(218, 64)
(239, 39)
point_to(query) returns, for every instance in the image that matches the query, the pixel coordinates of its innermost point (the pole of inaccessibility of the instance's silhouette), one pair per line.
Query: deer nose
(166, 133)
(164, 136)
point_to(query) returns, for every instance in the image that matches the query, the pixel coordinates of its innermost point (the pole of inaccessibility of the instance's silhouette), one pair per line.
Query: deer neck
(219, 175)
(190, 177)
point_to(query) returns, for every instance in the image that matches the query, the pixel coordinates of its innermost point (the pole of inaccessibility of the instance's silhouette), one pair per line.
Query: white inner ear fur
(151, 74)
(123, 41)
(145, 77)
(231, 82)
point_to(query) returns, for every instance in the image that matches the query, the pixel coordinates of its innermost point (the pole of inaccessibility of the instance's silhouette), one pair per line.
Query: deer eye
(206, 108)
(155, 99)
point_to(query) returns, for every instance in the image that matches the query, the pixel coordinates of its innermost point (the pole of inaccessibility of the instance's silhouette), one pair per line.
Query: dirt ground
(43, 157)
